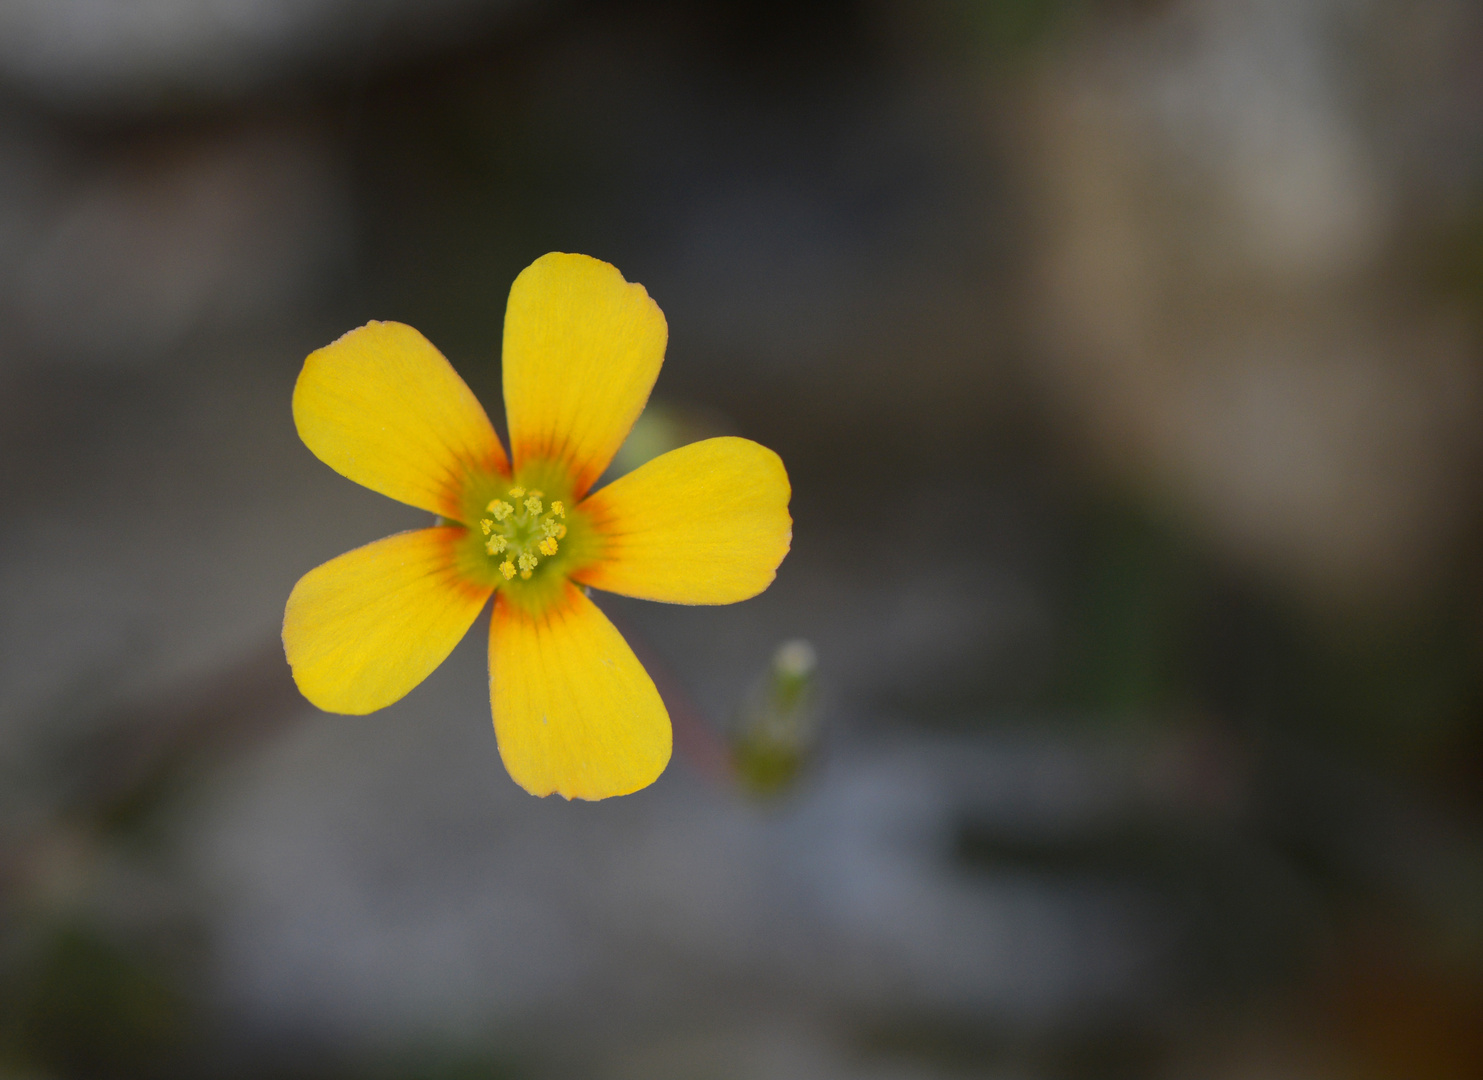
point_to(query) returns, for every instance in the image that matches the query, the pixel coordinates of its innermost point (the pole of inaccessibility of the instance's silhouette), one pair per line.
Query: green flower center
(521, 531)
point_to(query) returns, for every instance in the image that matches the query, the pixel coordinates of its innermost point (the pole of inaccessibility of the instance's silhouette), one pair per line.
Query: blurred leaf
(662, 427)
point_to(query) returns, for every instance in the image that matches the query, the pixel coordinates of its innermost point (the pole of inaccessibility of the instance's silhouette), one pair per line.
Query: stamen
(517, 535)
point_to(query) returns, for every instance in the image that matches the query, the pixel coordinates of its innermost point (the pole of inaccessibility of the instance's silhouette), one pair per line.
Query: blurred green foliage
(998, 30)
(1159, 629)
(80, 1002)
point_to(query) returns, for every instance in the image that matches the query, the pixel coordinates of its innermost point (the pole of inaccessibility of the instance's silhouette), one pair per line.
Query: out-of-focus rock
(1226, 290)
(681, 902)
(101, 54)
(119, 263)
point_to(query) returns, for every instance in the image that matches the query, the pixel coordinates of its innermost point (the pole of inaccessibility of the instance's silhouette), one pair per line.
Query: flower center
(519, 532)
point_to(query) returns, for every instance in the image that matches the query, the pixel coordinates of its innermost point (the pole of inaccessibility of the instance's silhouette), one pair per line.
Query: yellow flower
(574, 711)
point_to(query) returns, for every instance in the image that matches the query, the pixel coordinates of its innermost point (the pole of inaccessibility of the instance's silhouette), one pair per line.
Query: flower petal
(582, 350)
(383, 407)
(705, 524)
(362, 630)
(574, 710)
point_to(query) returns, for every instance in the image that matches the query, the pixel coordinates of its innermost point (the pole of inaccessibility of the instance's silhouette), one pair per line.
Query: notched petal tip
(582, 348)
(705, 524)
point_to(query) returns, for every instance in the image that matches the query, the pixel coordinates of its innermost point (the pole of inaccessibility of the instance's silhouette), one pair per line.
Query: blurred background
(1117, 712)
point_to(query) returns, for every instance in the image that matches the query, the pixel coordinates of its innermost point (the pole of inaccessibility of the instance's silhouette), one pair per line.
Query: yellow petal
(362, 630)
(574, 710)
(705, 524)
(382, 406)
(582, 351)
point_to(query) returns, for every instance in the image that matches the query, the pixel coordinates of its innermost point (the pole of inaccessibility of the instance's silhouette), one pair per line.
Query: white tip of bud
(795, 659)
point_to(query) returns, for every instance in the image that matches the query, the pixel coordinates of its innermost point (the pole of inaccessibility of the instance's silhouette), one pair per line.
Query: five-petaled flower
(574, 711)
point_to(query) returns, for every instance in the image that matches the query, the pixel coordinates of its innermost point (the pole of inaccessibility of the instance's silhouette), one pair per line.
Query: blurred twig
(138, 754)
(144, 750)
(695, 740)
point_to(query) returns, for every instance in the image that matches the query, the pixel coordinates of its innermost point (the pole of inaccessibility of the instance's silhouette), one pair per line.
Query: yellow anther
(525, 575)
(500, 509)
(548, 546)
(496, 544)
(559, 531)
(486, 525)
(558, 509)
(538, 494)
(516, 492)
(508, 569)
(533, 504)
(527, 561)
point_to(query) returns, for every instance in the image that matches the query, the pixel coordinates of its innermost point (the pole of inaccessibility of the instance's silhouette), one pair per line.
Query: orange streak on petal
(363, 629)
(574, 711)
(705, 524)
(383, 407)
(582, 348)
